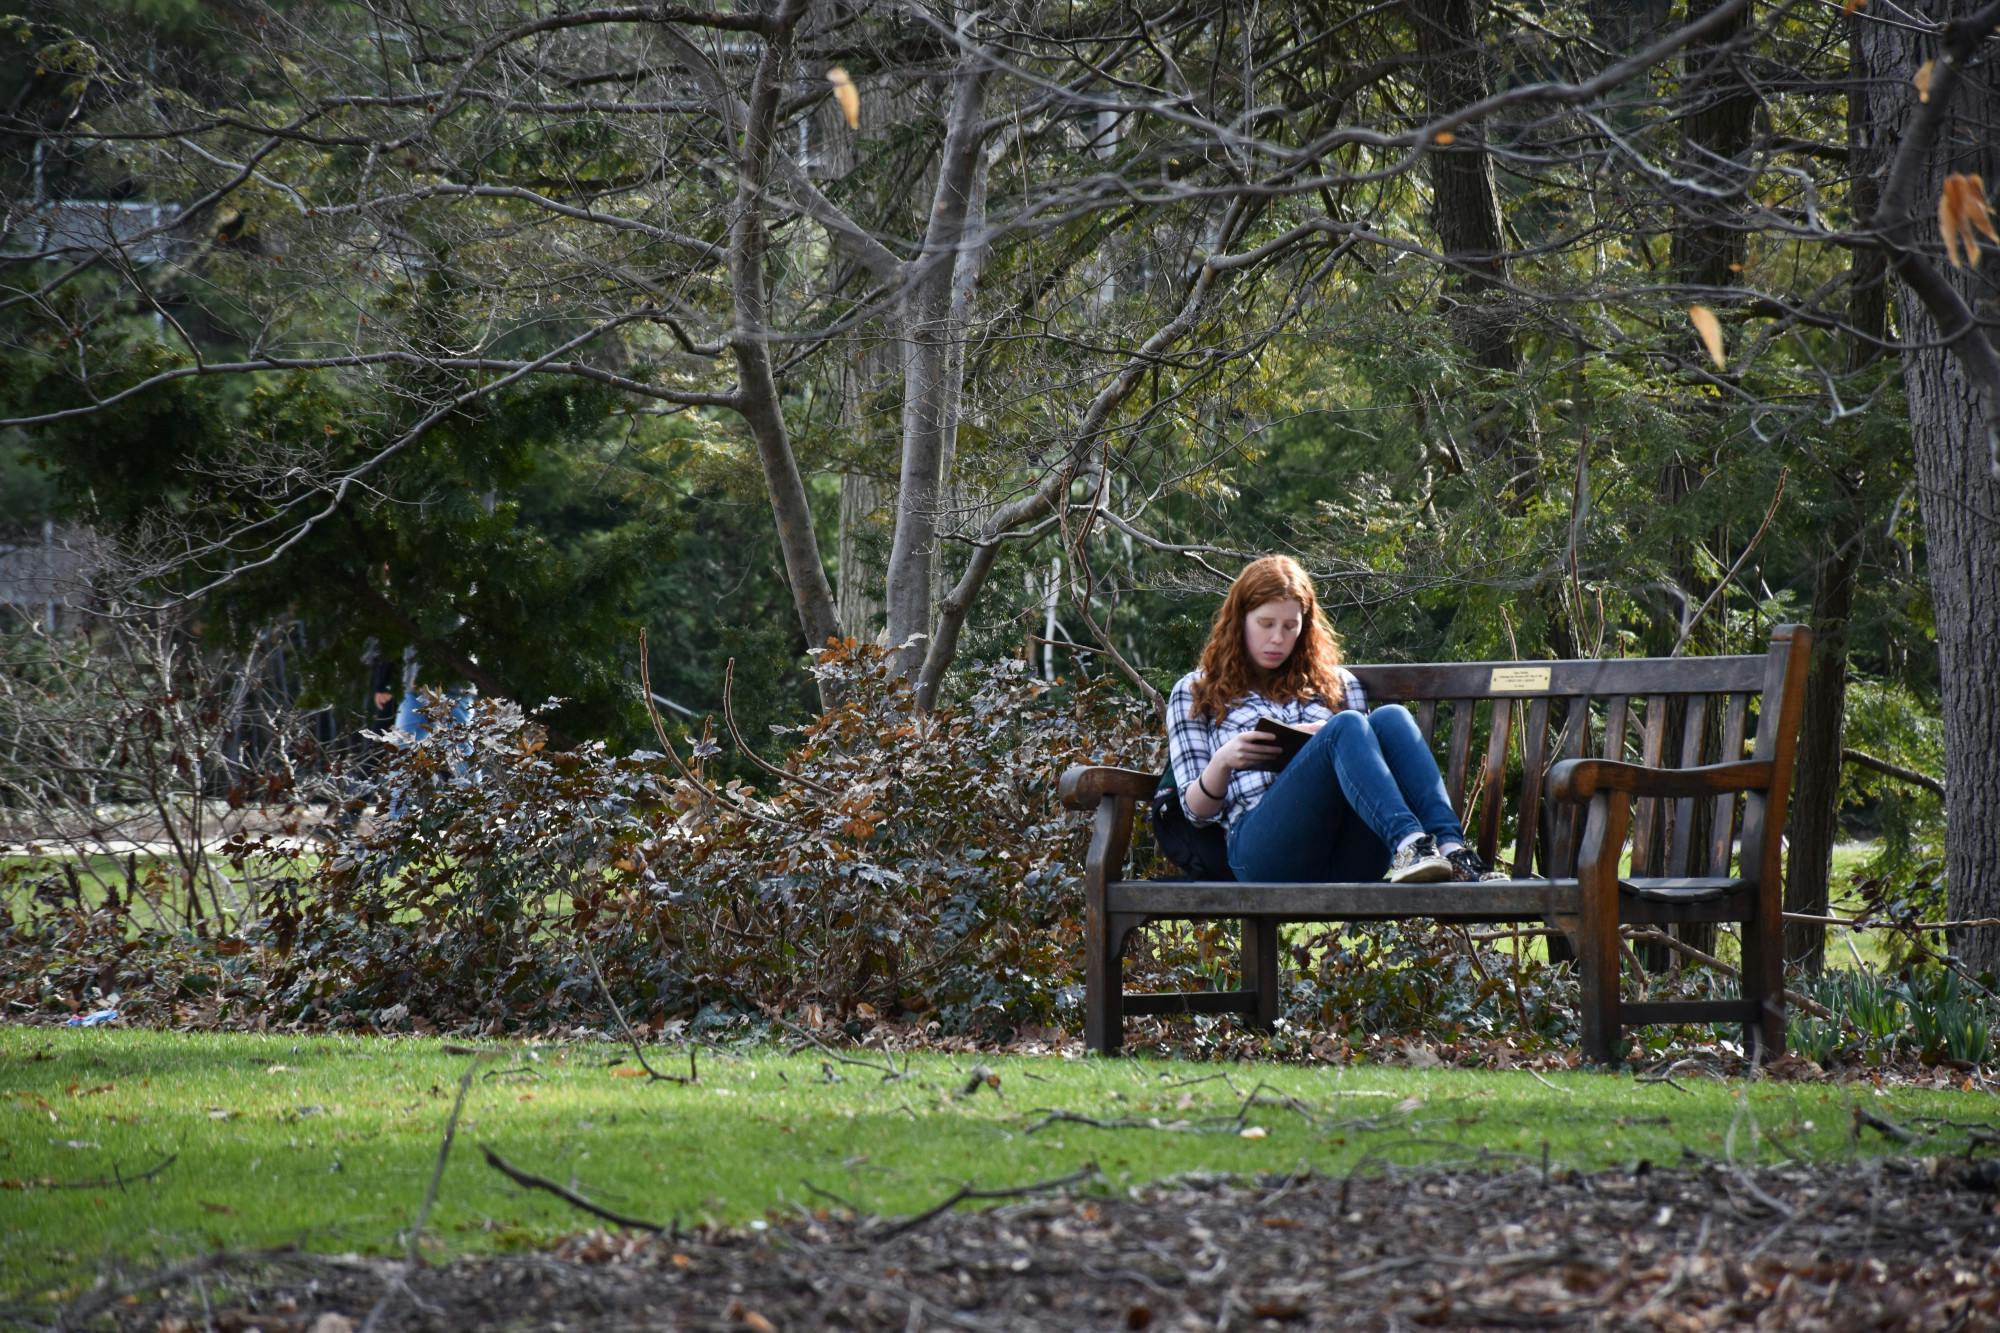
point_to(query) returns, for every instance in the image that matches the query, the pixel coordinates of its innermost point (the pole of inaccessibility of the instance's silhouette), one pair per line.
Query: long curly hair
(1227, 671)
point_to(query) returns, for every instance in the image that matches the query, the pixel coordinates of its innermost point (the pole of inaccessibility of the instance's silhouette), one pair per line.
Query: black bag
(1202, 850)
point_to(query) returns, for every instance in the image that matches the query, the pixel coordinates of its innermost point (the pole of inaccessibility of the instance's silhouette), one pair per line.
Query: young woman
(1362, 800)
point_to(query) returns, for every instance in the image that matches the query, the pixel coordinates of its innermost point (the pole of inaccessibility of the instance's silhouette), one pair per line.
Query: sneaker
(1467, 868)
(1419, 862)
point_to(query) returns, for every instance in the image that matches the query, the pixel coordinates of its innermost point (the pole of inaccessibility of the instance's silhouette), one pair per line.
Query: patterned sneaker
(1467, 868)
(1419, 862)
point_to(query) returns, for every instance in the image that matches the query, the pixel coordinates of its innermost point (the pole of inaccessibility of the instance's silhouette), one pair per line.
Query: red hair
(1227, 673)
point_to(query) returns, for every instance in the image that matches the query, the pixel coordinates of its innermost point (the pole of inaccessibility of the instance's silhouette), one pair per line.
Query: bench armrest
(1084, 786)
(1577, 780)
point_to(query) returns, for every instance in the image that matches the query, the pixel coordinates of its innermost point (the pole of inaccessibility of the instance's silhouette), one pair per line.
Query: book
(1290, 739)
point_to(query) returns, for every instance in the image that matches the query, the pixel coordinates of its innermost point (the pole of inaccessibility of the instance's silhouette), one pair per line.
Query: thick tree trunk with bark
(1949, 370)
(1816, 775)
(1465, 205)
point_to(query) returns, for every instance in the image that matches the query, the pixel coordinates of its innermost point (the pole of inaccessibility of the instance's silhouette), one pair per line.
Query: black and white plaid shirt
(1192, 741)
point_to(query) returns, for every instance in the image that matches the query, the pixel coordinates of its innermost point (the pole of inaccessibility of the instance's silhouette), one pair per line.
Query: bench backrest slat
(1461, 754)
(1534, 765)
(1493, 778)
(1722, 831)
(1646, 810)
(1524, 716)
(1681, 844)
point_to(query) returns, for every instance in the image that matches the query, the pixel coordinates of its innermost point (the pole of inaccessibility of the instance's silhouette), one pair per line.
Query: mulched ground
(1886, 1245)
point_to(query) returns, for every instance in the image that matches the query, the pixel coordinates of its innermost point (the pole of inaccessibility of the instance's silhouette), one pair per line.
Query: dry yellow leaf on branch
(1963, 217)
(1847, 10)
(1922, 79)
(1710, 328)
(845, 93)
(1444, 138)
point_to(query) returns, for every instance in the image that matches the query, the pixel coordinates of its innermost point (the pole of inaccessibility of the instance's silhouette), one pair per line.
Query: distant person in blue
(1362, 801)
(417, 714)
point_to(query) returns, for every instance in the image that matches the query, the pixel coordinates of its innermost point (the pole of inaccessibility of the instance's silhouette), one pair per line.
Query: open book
(1290, 739)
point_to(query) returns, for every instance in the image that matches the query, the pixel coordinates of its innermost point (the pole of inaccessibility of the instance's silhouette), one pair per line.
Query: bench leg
(1103, 983)
(1597, 939)
(1764, 982)
(1260, 969)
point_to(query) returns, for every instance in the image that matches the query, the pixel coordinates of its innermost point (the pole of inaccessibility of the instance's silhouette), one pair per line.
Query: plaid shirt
(1192, 741)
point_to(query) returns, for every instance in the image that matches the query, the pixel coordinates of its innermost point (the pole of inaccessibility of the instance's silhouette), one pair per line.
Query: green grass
(328, 1142)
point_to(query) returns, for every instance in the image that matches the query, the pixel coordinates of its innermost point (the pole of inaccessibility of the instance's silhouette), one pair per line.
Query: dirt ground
(1888, 1245)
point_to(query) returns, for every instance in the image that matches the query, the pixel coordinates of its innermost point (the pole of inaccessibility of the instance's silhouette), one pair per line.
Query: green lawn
(329, 1142)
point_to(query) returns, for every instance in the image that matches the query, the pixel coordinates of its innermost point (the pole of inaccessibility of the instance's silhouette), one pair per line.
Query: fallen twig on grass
(652, 1074)
(1088, 1171)
(888, 1071)
(1886, 1128)
(1127, 1122)
(534, 1182)
(413, 1257)
(117, 1178)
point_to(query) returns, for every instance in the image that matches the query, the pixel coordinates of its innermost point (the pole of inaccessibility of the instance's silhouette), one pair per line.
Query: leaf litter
(1896, 1244)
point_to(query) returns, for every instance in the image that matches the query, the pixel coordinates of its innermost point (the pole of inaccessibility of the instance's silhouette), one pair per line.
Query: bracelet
(1204, 787)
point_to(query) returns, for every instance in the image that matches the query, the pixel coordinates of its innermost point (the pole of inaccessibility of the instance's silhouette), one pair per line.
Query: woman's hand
(1248, 749)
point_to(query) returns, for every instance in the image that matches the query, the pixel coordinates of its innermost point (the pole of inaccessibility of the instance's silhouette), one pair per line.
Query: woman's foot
(1467, 868)
(1419, 861)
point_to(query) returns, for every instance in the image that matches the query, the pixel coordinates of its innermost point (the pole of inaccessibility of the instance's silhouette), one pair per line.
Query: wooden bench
(1588, 756)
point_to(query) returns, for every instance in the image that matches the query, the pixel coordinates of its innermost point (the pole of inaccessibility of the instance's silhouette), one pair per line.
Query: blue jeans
(1360, 786)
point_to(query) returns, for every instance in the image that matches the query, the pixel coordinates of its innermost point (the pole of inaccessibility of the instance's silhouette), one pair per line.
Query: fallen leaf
(1254, 1132)
(749, 1318)
(1710, 328)
(75, 1091)
(220, 1113)
(628, 1071)
(329, 1322)
(845, 93)
(216, 1207)
(1922, 79)
(277, 1069)
(1409, 1105)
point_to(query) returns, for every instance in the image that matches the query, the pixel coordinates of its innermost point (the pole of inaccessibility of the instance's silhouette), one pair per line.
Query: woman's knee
(1394, 718)
(1345, 721)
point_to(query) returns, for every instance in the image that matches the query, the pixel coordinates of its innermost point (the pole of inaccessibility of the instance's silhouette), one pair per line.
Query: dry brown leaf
(1847, 10)
(845, 93)
(1710, 328)
(628, 1071)
(1963, 217)
(743, 1314)
(1922, 79)
(1444, 138)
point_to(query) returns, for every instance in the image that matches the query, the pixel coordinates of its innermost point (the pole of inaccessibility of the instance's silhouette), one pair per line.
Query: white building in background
(67, 230)
(47, 581)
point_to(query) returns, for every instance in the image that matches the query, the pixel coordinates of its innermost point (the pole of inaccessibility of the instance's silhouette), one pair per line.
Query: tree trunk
(930, 397)
(1950, 423)
(1816, 775)
(1465, 212)
(750, 345)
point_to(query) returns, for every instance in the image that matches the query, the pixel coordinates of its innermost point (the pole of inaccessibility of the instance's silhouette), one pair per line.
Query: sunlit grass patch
(328, 1142)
